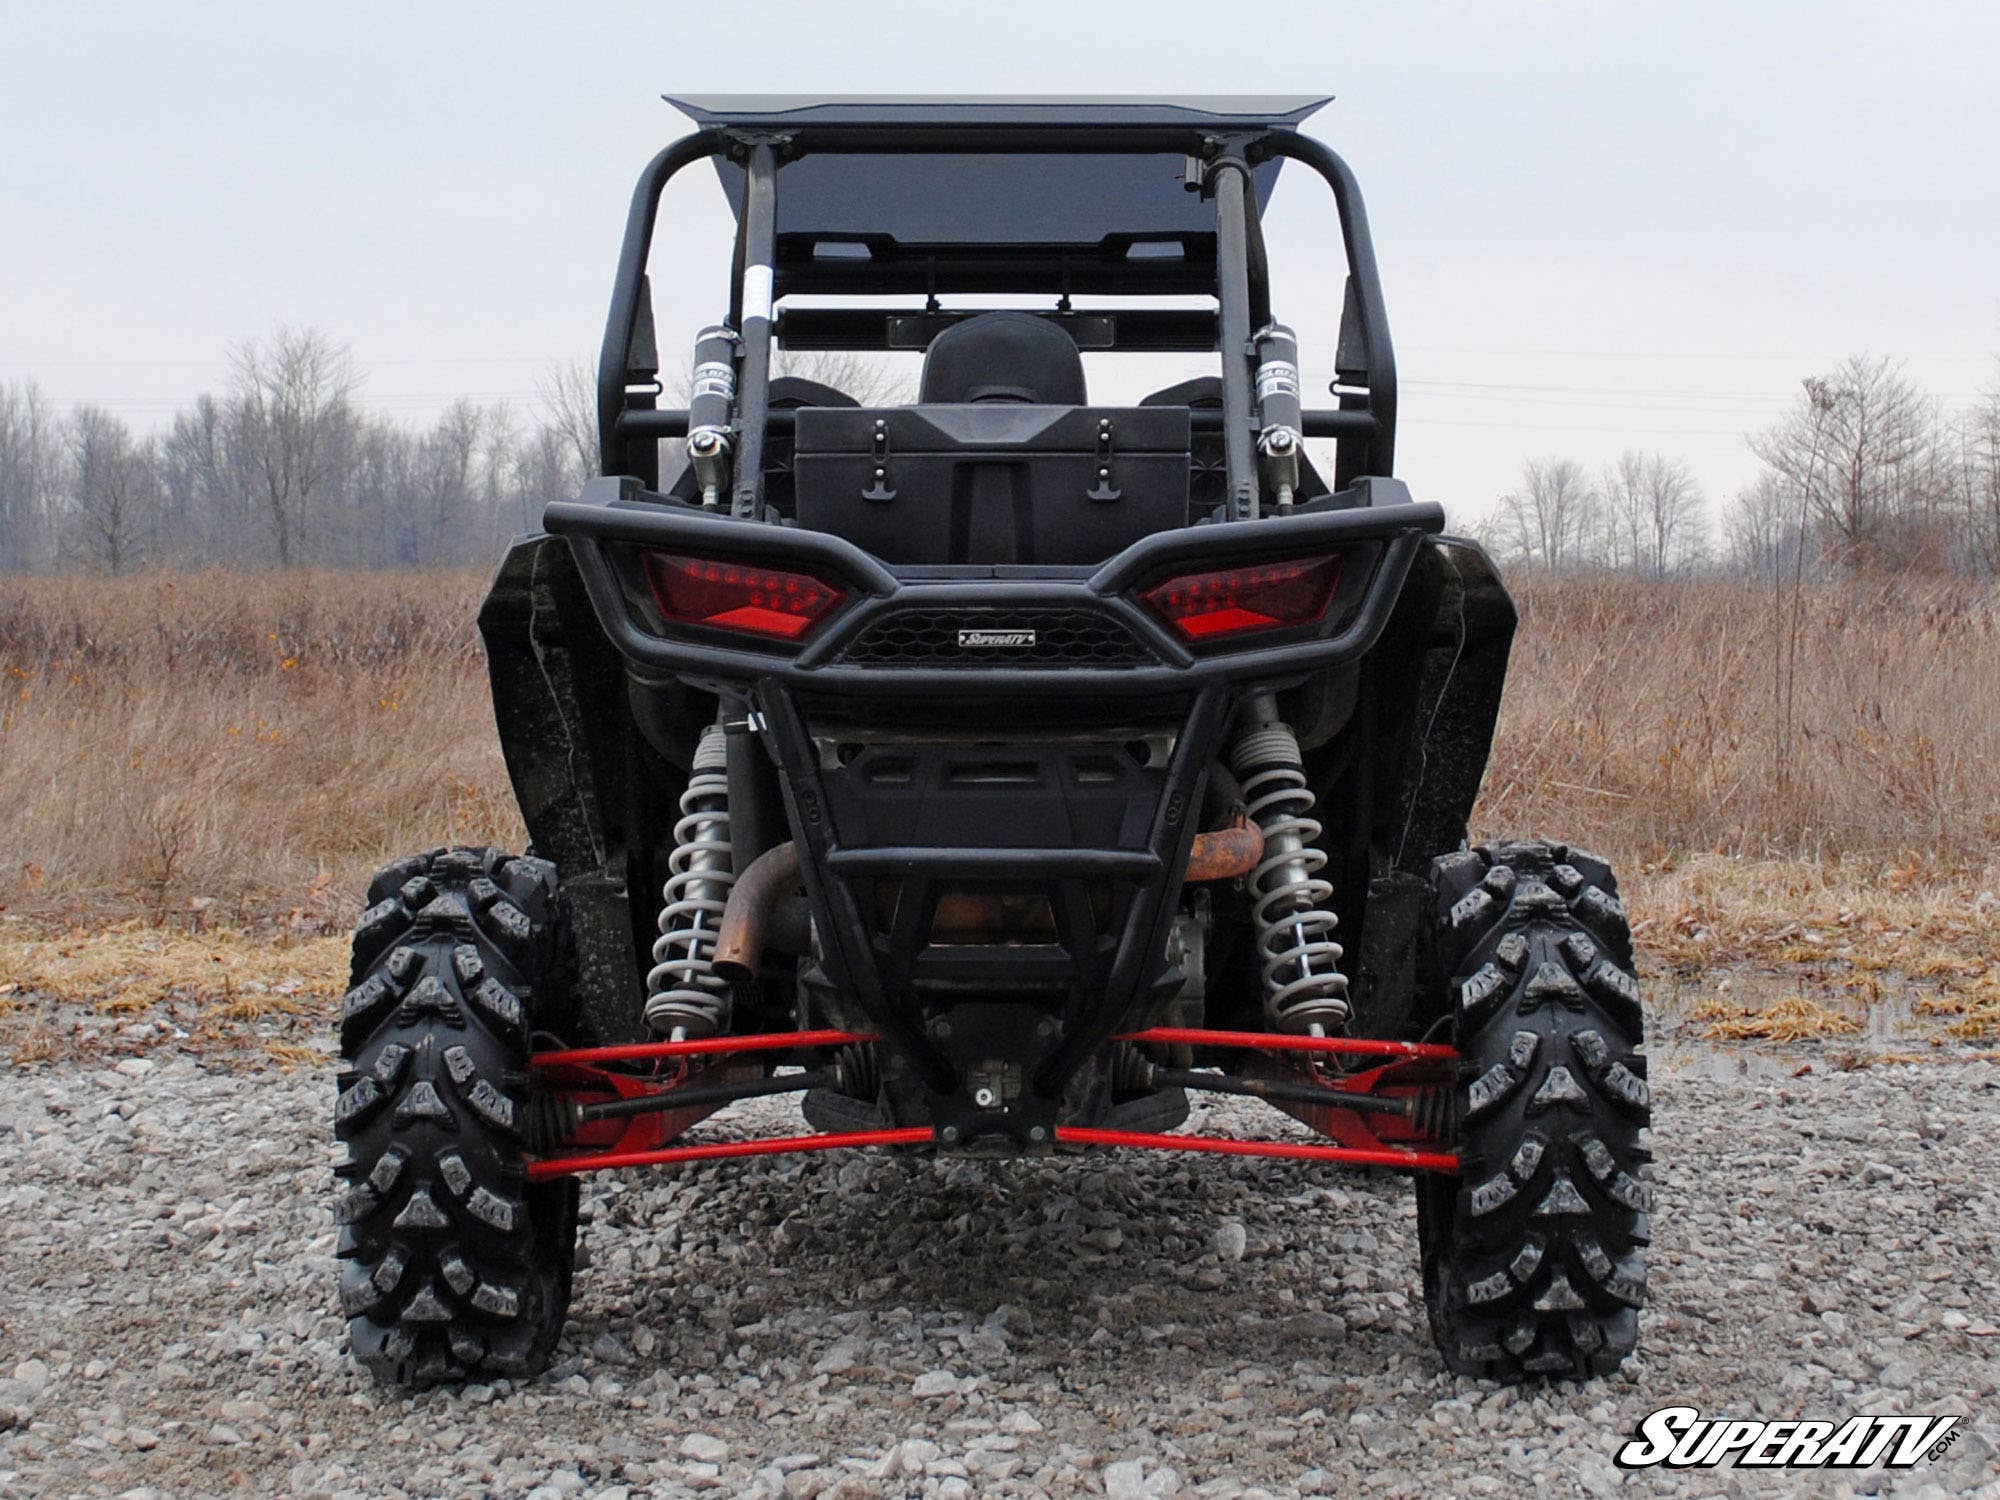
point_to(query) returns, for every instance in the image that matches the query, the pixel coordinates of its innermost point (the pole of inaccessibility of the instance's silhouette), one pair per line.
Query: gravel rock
(1231, 1240)
(1125, 1480)
(867, 1325)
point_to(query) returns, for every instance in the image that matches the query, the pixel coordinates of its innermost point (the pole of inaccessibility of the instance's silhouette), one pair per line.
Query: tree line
(283, 467)
(1865, 473)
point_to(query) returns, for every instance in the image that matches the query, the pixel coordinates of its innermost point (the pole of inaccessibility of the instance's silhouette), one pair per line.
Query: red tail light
(1235, 601)
(734, 596)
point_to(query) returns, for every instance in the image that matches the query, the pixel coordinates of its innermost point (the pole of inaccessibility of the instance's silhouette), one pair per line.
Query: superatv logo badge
(1681, 1438)
(986, 639)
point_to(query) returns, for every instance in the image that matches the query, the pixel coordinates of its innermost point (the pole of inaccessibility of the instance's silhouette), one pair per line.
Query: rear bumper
(917, 782)
(896, 633)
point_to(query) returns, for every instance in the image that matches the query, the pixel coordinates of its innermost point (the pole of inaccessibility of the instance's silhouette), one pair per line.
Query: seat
(790, 392)
(1204, 391)
(1003, 357)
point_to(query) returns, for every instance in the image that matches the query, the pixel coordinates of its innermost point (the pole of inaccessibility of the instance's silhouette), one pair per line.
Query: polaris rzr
(994, 770)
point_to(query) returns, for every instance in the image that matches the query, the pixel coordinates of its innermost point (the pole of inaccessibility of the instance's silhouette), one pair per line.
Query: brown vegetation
(214, 752)
(1668, 719)
(228, 748)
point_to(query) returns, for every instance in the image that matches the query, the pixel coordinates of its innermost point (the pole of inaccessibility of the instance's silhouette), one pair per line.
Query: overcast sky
(1600, 226)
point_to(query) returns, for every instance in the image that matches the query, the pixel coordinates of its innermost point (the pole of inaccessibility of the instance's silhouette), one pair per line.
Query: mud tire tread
(456, 1268)
(1534, 1255)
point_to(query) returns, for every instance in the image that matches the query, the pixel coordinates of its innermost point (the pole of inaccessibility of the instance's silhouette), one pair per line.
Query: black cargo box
(1000, 482)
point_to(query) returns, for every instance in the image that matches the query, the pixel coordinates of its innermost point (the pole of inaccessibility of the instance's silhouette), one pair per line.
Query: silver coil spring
(685, 997)
(1304, 990)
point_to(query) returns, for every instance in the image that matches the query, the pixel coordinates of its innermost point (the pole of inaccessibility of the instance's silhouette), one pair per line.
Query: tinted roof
(1118, 217)
(1236, 110)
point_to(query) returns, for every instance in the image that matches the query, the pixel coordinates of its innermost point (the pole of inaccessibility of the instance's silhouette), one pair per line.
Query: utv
(994, 770)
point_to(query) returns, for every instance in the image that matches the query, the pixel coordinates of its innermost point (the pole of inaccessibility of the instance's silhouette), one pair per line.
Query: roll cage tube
(1364, 425)
(1226, 177)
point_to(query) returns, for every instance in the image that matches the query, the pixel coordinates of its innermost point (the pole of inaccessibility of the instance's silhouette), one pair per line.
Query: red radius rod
(1355, 1156)
(708, 1046)
(1076, 1135)
(602, 1161)
(773, 1041)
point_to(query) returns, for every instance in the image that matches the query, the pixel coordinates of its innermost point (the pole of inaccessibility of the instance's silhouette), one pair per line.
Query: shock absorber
(1278, 415)
(1304, 990)
(685, 997)
(710, 399)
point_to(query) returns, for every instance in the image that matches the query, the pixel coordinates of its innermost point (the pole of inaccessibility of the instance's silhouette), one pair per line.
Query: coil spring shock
(1304, 991)
(685, 997)
(858, 1071)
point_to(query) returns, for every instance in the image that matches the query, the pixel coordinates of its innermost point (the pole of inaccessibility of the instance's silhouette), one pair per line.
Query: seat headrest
(1003, 356)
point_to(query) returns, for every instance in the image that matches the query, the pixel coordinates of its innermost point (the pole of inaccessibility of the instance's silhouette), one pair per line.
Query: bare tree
(210, 511)
(568, 399)
(1761, 530)
(1547, 520)
(1853, 451)
(1659, 513)
(292, 419)
(1979, 484)
(870, 379)
(29, 460)
(442, 500)
(114, 491)
(541, 467)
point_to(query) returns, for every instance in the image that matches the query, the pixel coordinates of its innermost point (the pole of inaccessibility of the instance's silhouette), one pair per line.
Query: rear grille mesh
(931, 638)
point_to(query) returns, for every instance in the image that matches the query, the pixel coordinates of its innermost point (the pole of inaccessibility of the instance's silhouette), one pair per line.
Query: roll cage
(1230, 150)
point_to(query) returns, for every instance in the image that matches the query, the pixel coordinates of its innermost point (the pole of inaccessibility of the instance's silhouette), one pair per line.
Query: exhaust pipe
(755, 898)
(757, 892)
(1225, 853)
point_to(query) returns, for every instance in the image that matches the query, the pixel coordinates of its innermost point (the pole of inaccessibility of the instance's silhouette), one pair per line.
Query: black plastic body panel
(1376, 545)
(994, 483)
(1020, 784)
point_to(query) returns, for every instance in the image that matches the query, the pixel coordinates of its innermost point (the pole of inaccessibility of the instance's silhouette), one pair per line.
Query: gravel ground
(869, 1325)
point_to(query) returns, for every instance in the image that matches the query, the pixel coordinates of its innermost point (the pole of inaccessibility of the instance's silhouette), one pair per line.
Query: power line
(1710, 356)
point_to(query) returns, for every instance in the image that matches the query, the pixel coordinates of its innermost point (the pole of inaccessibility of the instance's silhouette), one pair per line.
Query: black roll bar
(627, 290)
(1365, 425)
(1227, 176)
(755, 287)
(1380, 374)
(672, 422)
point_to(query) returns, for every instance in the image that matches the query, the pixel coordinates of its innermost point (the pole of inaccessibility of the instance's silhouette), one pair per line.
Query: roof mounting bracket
(743, 139)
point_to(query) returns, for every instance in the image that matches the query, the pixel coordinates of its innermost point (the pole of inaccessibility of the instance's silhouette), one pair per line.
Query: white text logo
(1681, 1438)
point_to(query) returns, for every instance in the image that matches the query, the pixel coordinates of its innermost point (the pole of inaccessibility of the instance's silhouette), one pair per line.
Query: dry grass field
(1805, 796)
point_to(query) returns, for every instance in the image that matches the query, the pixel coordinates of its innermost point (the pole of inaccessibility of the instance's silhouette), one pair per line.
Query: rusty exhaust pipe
(770, 877)
(1224, 853)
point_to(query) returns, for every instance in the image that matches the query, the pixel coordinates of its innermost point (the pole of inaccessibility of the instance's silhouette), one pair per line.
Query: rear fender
(571, 745)
(1402, 775)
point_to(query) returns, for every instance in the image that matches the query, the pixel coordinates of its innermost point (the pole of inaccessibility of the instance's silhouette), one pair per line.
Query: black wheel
(1534, 1256)
(456, 1268)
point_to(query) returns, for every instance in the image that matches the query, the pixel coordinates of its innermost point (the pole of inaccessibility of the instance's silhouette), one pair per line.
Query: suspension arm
(721, 1093)
(1275, 1089)
(642, 1117)
(1360, 1156)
